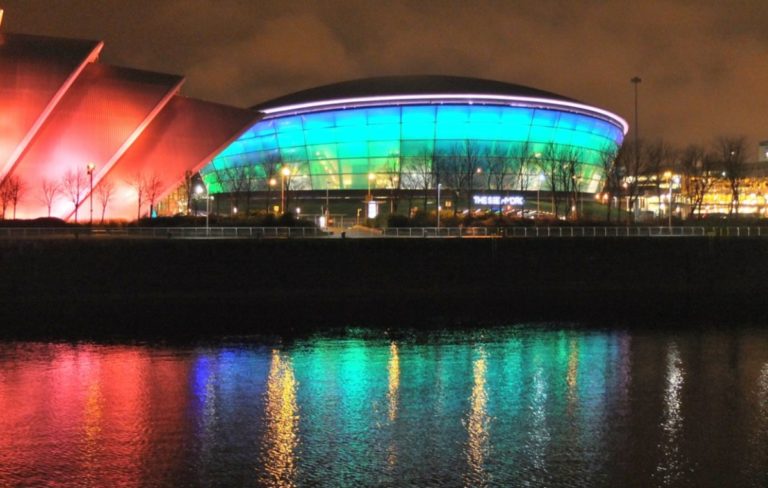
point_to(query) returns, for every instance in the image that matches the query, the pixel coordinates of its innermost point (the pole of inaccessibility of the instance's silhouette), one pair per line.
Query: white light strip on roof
(436, 97)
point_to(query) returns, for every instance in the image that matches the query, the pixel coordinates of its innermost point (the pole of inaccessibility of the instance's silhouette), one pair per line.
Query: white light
(525, 101)
(373, 210)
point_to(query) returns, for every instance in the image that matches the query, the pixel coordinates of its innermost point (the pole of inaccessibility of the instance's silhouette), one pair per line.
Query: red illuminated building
(62, 111)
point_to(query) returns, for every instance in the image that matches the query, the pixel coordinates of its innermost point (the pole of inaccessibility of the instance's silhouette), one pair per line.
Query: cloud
(702, 62)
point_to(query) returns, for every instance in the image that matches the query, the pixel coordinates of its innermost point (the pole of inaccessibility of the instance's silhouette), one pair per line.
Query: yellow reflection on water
(394, 381)
(572, 375)
(477, 423)
(393, 368)
(282, 424)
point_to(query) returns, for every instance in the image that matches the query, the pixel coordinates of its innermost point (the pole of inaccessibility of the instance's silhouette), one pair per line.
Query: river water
(515, 406)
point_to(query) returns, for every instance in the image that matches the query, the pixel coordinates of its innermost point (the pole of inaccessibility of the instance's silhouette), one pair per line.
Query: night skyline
(702, 63)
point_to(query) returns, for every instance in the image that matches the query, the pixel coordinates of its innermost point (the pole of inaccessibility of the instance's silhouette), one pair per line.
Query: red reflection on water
(90, 416)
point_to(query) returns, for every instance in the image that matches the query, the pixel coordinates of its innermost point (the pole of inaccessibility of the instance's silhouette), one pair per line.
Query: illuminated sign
(498, 200)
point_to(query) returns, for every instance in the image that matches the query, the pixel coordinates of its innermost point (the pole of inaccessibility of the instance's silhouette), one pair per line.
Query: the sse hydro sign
(498, 200)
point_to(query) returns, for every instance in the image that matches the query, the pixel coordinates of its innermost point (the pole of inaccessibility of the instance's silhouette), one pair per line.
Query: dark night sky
(704, 64)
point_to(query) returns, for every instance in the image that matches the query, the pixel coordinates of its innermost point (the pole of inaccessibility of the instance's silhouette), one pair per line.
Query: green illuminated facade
(413, 133)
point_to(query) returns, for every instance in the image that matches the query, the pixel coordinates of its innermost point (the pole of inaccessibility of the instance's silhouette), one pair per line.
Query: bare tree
(523, 160)
(186, 188)
(631, 166)
(238, 183)
(74, 184)
(271, 164)
(695, 166)
(49, 191)
(6, 195)
(732, 158)
(609, 158)
(139, 186)
(417, 174)
(658, 167)
(555, 174)
(16, 189)
(460, 167)
(498, 166)
(104, 193)
(570, 159)
(152, 187)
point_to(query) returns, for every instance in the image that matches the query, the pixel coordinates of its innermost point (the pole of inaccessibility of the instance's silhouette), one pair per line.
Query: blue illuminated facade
(385, 141)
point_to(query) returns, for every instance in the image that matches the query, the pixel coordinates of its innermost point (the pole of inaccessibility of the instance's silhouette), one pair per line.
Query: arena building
(382, 137)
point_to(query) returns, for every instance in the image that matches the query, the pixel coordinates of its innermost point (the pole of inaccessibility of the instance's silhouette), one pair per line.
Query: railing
(165, 232)
(402, 232)
(541, 232)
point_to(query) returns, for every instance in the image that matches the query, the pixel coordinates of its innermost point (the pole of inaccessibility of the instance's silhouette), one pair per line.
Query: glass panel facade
(339, 148)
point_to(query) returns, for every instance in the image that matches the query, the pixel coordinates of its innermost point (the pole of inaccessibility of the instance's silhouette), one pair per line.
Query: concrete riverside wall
(190, 288)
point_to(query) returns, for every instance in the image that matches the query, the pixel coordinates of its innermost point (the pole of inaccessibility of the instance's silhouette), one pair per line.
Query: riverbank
(129, 288)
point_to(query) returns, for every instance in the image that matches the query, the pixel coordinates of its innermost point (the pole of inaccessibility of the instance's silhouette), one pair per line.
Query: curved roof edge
(426, 89)
(406, 85)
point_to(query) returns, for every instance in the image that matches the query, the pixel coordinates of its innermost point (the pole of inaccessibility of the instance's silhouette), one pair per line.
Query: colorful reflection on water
(498, 407)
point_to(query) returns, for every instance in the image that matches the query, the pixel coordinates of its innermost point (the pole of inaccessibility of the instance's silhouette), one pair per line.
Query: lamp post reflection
(477, 424)
(282, 429)
(393, 396)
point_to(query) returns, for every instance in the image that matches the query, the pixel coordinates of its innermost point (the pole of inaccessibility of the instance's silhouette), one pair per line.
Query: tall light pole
(538, 195)
(284, 173)
(371, 177)
(327, 201)
(199, 190)
(90, 169)
(272, 184)
(439, 207)
(673, 180)
(635, 81)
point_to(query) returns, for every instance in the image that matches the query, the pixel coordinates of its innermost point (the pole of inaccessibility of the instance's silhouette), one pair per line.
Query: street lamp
(673, 180)
(90, 169)
(327, 201)
(272, 184)
(199, 190)
(636, 81)
(538, 194)
(439, 207)
(284, 173)
(371, 177)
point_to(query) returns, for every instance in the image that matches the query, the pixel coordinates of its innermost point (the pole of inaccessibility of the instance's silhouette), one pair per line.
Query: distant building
(762, 154)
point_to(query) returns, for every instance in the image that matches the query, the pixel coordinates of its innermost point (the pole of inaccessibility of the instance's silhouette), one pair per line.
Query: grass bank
(191, 288)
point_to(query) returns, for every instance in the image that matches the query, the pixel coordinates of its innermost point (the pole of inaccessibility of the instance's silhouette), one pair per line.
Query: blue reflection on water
(491, 408)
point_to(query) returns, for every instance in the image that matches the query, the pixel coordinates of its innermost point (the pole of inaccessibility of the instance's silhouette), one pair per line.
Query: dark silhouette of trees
(609, 158)
(658, 168)
(104, 192)
(152, 185)
(271, 165)
(696, 167)
(417, 173)
(49, 191)
(74, 184)
(731, 152)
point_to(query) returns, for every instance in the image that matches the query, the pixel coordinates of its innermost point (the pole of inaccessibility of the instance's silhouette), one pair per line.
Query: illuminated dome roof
(393, 86)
